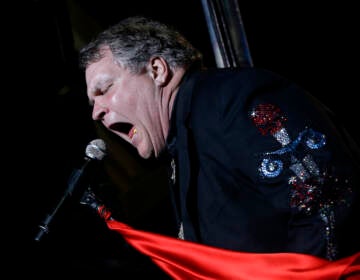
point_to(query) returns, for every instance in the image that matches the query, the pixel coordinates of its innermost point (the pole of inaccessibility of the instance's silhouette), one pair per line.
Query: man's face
(127, 104)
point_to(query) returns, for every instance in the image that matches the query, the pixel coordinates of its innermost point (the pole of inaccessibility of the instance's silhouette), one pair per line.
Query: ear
(159, 70)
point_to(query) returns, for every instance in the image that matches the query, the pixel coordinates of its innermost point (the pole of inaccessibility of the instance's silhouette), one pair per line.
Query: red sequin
(268, 118)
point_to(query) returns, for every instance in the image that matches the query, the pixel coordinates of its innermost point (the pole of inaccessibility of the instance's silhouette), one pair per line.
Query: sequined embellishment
(173, 172)
(173, 182)
(271, 168)
(313, 190)
(181, 231)
(267, 118)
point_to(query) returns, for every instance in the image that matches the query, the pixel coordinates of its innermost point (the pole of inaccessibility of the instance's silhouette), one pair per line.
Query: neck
(173, 88)
(168, 97)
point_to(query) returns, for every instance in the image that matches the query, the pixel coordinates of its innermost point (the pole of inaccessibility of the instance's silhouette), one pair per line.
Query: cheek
(124, 103)
(133, 95)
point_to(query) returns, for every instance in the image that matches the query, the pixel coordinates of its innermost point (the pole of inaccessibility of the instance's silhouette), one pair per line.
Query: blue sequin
(271, 168)
(315, 139)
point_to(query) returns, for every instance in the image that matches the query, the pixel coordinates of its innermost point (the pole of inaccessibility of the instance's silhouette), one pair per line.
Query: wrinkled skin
(136, 107)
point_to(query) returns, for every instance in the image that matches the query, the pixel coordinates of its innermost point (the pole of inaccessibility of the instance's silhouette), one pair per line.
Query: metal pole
(227, 33)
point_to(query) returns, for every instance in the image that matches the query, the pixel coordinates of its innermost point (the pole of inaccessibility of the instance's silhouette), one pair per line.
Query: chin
(145, 153)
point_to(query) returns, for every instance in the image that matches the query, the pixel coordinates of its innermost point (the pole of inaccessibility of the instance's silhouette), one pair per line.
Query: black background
(47, 123)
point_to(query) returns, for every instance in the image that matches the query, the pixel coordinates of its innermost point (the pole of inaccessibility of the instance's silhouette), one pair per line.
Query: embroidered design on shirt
(314, 190)
(181, 231)
(173, 171)
(173, 182)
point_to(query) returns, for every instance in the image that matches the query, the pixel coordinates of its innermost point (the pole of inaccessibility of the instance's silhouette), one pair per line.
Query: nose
(98, 112)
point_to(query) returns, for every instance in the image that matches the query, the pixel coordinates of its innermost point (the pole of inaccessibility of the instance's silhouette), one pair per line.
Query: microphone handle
(44, 227)
(75, 176)
(73, 180)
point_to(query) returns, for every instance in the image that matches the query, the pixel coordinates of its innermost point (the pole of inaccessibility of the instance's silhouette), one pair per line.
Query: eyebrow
(101, 82)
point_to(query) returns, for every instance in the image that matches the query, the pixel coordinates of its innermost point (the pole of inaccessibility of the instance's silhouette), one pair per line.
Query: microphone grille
(96, 149)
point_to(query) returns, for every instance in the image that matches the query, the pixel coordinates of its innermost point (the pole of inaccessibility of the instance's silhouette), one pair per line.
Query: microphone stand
(89, 198)
(73, 180)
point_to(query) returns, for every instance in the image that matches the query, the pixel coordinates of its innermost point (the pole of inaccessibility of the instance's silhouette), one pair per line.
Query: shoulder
(228, 81)
(246, 74)
(227, 84)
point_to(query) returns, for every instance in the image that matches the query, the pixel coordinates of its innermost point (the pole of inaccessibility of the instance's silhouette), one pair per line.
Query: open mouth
(123, 127)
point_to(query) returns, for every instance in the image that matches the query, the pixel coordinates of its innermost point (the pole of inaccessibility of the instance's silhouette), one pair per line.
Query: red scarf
(188, 260)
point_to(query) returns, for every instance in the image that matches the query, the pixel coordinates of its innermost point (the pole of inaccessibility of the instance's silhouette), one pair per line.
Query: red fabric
(184, 260)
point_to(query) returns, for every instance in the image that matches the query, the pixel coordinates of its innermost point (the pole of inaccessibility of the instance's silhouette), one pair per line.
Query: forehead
(105, 66)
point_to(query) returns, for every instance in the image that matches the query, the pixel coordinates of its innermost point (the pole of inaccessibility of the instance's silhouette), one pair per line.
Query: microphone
(95, 150)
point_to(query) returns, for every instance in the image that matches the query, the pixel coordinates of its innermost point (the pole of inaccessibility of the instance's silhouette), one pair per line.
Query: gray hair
(135, 40)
